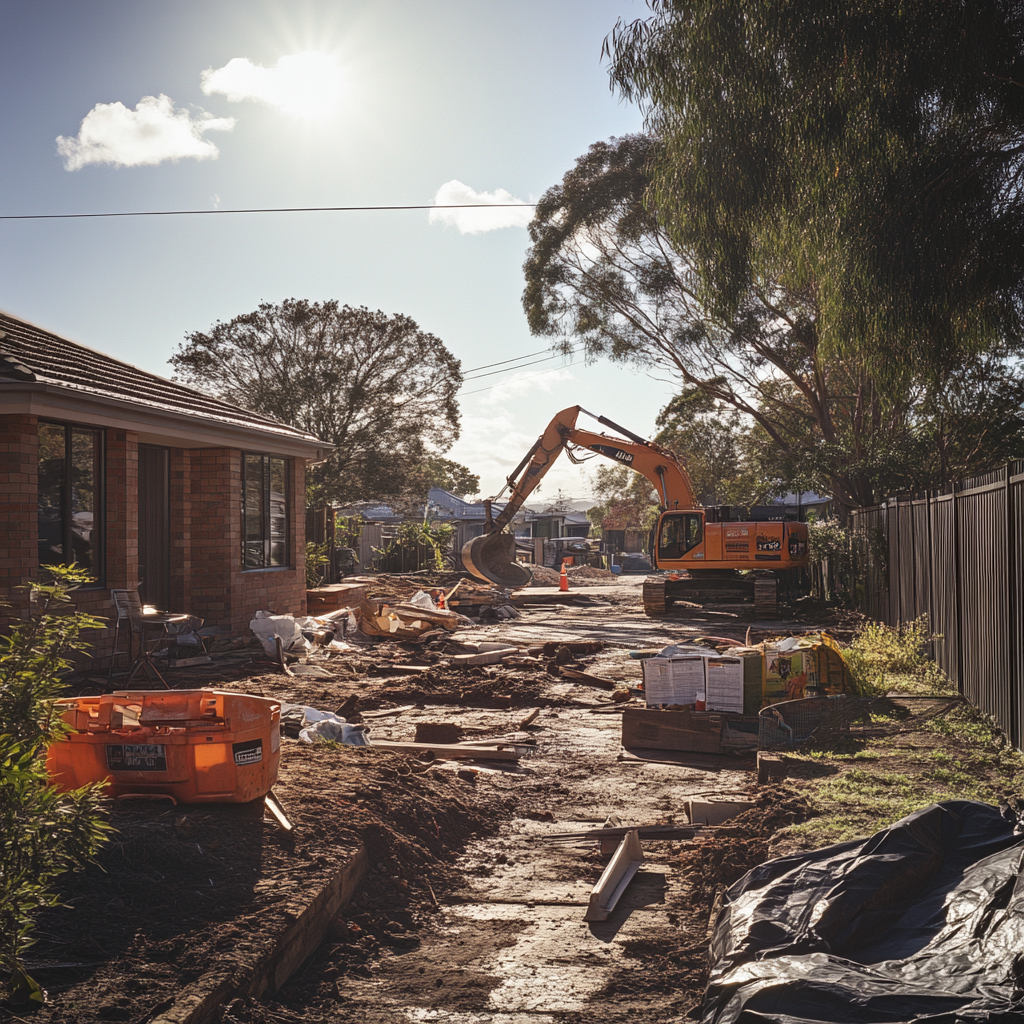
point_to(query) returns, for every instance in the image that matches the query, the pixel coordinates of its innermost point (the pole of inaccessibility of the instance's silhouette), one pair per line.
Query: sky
(207, 104)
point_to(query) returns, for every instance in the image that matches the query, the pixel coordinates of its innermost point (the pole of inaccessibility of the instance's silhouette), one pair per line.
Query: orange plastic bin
(195, 746)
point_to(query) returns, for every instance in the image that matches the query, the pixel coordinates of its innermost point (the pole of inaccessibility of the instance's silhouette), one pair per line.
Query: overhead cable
(270, 209)
(510, 369)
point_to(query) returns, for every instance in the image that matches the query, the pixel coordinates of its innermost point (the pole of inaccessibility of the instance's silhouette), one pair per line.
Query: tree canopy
(376, 386)
(866, 155)
(603, 270)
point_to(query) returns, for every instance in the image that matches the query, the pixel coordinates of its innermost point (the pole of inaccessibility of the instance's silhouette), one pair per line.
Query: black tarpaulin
(924, 921)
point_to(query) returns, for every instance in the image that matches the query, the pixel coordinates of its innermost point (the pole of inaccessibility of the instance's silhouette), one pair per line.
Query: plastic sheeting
(922, 922)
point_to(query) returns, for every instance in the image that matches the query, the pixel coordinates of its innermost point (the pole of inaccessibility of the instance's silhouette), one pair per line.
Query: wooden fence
(955, 555)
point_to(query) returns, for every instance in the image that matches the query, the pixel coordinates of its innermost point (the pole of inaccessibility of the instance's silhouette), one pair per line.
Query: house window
(71, 496)
(264, 511)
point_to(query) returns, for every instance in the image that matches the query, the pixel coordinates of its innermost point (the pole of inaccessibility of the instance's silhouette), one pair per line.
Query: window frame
(681, 547)
(98, 537)
(267, 538)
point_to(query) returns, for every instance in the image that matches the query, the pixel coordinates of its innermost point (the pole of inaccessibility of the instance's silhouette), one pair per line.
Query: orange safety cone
(563, 579)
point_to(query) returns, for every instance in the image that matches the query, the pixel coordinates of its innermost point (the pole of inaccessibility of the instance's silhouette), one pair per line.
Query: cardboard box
(677, 680)
(724, 676)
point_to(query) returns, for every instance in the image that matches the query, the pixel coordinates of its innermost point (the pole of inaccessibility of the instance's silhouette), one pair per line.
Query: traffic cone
(563, 579)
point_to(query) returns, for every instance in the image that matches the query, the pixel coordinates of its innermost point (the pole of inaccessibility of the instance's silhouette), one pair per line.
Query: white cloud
(475, 221)
(307, 84)
(153, 132)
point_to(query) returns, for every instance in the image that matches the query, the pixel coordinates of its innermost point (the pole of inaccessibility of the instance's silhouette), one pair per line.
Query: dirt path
(510, 944)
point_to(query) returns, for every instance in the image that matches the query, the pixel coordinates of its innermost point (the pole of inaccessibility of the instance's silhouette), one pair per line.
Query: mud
(469, 913)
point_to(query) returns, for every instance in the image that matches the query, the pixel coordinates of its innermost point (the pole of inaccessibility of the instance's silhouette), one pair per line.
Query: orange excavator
(707, 554)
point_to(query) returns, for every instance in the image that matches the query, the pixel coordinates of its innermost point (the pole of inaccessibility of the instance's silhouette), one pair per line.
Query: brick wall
(19, 504)
(206, 573)
(209, 552)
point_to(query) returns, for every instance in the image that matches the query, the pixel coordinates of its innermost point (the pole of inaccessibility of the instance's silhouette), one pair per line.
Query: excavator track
(766, 597)
(654, 596)
(659, 592)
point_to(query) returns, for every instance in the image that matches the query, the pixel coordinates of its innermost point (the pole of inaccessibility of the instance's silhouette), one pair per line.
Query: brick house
(139, 478)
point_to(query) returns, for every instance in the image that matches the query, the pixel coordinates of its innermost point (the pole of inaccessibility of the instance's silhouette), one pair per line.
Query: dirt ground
(470, 912)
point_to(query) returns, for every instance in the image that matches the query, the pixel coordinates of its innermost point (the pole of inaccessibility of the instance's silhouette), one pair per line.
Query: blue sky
(411, 95)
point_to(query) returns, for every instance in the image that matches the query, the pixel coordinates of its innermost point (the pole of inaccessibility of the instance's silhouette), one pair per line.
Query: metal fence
(955, 555)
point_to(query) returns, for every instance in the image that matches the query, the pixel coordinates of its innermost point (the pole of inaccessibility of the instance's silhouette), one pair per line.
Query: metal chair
(141, 625)
(122, 628)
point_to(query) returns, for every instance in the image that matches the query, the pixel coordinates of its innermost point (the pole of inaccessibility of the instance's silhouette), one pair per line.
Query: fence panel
(921, 528)
(945, 586)
(959, 557)
(1015, 530)
(906, 573)
(982, 518)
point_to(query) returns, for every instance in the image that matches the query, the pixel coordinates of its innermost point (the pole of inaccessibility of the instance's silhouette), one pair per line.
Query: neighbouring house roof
(54, 377)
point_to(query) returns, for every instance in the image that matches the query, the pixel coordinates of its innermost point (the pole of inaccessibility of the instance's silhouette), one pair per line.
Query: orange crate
(195, 746)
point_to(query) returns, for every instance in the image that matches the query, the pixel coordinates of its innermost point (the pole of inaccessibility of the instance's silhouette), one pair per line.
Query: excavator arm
(492, 556)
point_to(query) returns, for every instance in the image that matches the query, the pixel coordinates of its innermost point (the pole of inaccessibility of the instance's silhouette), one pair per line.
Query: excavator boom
(492, 556)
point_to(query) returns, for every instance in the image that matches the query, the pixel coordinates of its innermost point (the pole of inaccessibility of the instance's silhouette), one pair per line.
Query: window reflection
(70, 477)
(264, 511)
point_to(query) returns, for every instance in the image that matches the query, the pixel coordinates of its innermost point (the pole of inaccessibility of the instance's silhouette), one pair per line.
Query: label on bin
(249, 752)
(137, 757)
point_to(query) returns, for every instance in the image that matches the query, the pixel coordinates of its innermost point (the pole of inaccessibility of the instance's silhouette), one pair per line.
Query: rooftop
(31, 355)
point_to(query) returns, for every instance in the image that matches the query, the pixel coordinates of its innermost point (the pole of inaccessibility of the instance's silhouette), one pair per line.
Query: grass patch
(857, 786)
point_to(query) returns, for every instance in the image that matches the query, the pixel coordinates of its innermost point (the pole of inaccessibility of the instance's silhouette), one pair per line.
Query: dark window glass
(678, 534)
(70, 500)
(264, 511)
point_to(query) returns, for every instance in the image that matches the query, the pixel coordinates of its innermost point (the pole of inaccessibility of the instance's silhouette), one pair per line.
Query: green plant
(43, 832)
(437, 537)
(893, 658)
(316, 557)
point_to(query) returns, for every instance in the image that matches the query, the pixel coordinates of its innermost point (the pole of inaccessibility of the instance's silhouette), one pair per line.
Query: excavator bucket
(492, 557)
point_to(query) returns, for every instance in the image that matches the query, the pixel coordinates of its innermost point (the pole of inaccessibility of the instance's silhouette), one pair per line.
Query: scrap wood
(408, 670)
(469, 752)
(587, 678)
(481, 658)
(625, 863)
(449, 620)
(388, 712)
(675, 832)
(530, 718)
(276, 812)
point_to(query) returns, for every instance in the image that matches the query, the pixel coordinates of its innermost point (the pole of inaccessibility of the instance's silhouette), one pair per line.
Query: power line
(274, 209)
(525, 355)
(509, 369)
(463, 394)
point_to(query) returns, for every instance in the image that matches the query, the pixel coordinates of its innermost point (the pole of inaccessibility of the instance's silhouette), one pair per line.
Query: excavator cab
(678, 533)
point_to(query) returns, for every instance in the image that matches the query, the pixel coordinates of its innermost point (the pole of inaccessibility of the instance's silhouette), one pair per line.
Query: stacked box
(677, 680)
(789, 670)
(724, 681)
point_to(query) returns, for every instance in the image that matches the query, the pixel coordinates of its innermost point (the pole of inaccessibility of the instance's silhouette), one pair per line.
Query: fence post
(931, 571)
(957, 591)
(1011, 615)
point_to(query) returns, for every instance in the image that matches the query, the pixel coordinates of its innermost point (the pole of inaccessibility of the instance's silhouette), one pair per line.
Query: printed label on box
(249, 752)
(137, 757)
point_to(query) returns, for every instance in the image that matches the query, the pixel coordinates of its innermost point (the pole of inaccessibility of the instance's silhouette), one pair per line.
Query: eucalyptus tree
(605, 273)
(869, 151)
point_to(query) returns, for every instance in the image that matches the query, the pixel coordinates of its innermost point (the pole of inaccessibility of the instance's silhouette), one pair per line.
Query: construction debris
(625, 863)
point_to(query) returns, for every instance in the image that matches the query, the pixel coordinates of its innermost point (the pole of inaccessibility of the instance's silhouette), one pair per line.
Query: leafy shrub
(316, 559)
(884, 658)
(43, 832)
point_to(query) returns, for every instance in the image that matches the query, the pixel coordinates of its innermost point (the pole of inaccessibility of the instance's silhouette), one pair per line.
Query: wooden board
(464, 751)
(672, 730)
(483, 658)
(337, 595)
